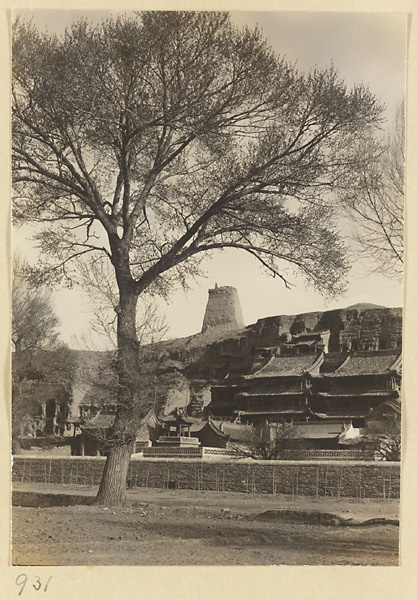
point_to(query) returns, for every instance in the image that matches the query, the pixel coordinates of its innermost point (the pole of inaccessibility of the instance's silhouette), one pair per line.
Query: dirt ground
(167, 527)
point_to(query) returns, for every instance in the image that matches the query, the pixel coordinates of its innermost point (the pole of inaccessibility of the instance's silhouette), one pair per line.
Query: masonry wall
(223, 309)
(304, 478)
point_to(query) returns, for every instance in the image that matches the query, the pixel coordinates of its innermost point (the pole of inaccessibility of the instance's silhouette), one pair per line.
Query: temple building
(358, 386)
(280, 390)
(301, 383)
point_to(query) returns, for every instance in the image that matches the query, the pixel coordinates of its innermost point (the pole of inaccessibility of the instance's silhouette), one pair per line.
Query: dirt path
(202, 528)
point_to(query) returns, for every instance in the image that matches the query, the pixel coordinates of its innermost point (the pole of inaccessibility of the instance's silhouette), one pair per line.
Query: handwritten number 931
(22, 580)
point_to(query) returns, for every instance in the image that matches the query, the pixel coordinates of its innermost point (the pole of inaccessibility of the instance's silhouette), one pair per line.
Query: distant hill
(364, 306)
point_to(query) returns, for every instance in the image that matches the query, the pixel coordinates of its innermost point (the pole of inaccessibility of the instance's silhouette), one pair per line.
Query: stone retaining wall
(304, 478)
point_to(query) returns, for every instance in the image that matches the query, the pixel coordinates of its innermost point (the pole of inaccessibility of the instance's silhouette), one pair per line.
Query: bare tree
(387, 443)
(34, 321)
(269, 441)
(375, 199)
(156, 140)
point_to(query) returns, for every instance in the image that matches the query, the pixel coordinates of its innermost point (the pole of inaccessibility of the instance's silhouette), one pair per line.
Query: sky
(365, 48)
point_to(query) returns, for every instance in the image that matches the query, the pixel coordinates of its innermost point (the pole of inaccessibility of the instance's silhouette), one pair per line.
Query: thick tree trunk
(113, 483)
(123, 433)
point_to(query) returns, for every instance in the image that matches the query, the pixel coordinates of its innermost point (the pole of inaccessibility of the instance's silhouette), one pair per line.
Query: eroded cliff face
(362, 327)
(359, 327)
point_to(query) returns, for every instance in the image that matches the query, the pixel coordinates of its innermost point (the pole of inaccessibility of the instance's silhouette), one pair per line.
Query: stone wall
(304, 478)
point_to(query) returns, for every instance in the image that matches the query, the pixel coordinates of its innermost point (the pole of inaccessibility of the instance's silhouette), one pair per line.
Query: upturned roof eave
(260, 374)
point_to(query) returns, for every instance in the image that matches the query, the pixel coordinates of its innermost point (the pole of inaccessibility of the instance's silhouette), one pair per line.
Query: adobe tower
(223, 310)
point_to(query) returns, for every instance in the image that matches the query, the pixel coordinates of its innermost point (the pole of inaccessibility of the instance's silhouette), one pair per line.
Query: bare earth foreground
(166, 527)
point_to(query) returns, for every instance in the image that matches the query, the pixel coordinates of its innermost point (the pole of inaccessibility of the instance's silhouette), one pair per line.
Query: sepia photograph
(207, 288)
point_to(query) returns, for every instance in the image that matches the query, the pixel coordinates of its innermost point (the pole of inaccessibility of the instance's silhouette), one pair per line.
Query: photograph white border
(243, 583)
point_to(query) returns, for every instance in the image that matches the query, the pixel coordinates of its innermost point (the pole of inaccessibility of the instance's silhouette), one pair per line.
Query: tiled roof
(235, 431)
(370, 363)
(283, 366)
(332, 361)
(212, 425)
(317, 431)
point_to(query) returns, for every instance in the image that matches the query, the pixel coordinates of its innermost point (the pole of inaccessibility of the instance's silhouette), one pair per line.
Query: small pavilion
(178, 431)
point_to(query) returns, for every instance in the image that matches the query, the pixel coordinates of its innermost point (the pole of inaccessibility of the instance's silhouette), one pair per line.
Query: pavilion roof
(177, 420)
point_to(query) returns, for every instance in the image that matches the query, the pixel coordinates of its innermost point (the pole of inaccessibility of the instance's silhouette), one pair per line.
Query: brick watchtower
(223, 310)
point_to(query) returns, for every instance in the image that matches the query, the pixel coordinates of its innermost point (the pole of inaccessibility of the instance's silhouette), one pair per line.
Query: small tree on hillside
(153, 141)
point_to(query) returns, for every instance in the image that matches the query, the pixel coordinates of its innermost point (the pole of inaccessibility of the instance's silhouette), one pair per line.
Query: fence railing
(335, 479)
